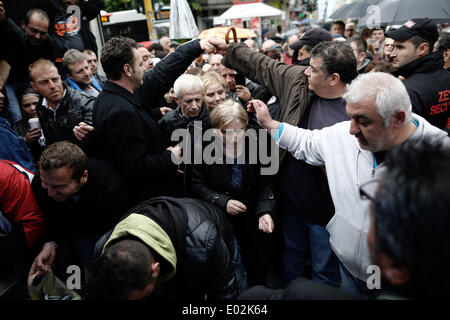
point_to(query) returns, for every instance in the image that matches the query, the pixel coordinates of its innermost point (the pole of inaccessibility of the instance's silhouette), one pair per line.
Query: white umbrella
(251, 10)
(182, 23)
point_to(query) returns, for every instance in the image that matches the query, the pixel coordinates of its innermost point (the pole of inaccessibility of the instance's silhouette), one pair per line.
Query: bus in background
(133, 24)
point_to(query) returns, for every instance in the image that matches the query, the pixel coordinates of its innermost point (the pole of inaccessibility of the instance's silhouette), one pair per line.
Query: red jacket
(21, 219)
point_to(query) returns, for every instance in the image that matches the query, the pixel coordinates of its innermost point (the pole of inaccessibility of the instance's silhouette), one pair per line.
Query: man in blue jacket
(79, 74)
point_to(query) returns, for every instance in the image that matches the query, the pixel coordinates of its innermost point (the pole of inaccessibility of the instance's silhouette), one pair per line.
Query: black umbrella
(353, 10)
(390, 12)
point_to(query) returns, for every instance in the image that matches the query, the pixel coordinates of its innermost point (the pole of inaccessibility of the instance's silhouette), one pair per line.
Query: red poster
(256, 23)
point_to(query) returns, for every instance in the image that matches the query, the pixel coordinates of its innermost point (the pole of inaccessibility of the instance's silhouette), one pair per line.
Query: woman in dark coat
(235, 184)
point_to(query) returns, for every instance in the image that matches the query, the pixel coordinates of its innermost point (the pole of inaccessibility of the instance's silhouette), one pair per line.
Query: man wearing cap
(309, 98)
(302, 48)
(427, 83)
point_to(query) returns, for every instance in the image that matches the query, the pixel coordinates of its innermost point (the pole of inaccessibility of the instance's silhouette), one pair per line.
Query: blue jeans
(298, 234)
(239, 269)
(355, 286)
(14, 105)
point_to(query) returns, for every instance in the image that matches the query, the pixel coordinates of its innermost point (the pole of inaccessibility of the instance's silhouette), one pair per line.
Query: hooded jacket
(191, 237)
(428, 86)
(348, 166)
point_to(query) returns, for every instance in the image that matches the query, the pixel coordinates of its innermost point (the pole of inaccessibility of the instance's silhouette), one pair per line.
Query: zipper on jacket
(374, 165)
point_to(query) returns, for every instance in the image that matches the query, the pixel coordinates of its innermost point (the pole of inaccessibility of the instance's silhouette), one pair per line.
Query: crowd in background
(94, 174)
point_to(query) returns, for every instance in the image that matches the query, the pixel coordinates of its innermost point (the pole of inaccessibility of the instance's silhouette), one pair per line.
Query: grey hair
(186, 83)
(72, 56)
(389, 92)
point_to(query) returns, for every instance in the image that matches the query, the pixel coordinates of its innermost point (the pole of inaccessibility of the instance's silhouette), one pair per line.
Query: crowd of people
(212, 171)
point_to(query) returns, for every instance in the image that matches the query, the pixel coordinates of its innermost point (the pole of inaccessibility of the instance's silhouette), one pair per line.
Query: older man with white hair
(381, 118)
(190, 111)
(189, 96)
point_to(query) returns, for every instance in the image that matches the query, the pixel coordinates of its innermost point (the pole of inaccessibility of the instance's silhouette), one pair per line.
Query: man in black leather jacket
(64, 113)
(183, 247)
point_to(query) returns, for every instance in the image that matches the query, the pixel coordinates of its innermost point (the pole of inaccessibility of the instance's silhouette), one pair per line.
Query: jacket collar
(431, 62)
(121, 91)
(202, 115)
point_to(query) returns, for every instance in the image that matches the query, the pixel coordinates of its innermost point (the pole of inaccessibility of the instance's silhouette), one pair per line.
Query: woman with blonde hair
(214, 89)
(239, 189)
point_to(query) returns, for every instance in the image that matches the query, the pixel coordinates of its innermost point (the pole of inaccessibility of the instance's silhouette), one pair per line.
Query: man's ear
(156, 268)
(333, 79)
(446, 55)
(22, 24)
(423, 49)
(398, 119)
(84, 177)
(127, 70)
(362, 56)
(33, 86)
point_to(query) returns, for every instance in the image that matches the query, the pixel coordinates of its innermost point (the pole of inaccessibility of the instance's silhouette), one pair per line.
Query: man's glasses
(368, 189)
(35, 31)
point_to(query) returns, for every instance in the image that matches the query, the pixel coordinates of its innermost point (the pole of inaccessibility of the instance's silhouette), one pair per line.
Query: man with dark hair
(309, 98)
(378, 35)
(411, 266)
(78, 71)
(428, 84)
(359, 47)
(13, 146)
(23, 46)
(81, 198)
(444, 47)
(127, 135)
(413, 259)
(381, 119)
(146, 57)
(302, 48)
(338, 27)
(349, 30)
(92, 61)
(183, 246)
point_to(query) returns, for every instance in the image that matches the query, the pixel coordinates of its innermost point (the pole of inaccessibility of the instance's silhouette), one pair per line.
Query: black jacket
(127, 135)
(203, 244)
(100, 204)
(19, 52)
(212, 183)
(74, 108)
(428, 85)
(172, 121)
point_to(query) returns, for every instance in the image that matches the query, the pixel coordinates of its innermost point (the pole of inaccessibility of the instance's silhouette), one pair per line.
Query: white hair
(187, 83)
(389, 92)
